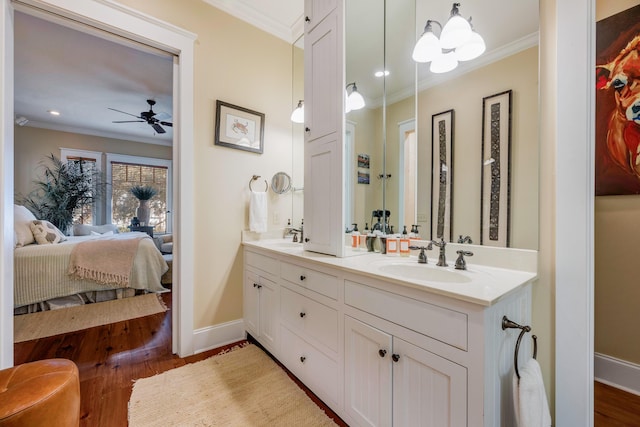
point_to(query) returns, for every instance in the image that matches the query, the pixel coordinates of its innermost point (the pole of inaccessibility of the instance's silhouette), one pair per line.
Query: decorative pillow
(22, 218)
(46, 233)
(85, 229)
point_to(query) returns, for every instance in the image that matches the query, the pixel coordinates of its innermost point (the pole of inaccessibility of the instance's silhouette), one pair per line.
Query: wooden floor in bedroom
(110, 357)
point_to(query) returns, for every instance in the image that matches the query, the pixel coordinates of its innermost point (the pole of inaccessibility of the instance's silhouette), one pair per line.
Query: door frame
(129, 23)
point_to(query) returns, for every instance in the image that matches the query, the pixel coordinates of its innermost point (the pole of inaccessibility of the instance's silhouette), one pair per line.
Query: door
(268, 312)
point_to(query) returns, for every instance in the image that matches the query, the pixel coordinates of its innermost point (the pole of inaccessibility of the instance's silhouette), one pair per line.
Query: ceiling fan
(147, 116)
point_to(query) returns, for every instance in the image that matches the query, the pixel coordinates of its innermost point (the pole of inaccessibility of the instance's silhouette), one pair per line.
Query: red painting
(617, 162)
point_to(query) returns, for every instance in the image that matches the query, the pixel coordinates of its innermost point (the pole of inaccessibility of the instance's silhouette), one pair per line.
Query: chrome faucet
(461, 264)
(422, 256)
(465, 239)
(442, 260)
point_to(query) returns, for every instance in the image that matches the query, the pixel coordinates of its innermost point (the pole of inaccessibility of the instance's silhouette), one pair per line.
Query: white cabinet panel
(315, 11)
(251, 301)
(324, 284)
(261, 309)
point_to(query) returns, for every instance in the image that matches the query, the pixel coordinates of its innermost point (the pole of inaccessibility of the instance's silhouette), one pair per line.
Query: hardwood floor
(110, 357)
(614, 407)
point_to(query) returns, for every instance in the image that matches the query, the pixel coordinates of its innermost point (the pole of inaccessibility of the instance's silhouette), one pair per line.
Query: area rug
(53, 322)
(243, 387)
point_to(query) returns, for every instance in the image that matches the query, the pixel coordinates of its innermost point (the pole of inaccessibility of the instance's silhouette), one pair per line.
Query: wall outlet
(276, 218)
(422, 217)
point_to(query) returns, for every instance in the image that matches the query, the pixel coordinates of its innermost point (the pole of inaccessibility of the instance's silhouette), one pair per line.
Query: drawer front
(262, 262)
(442, 324)
(316, 281)
(310, 317)
(318, 372)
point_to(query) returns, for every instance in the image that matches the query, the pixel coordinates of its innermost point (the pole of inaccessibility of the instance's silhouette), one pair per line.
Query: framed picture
(238, 127)
(617, 160)
(363, 177)
(442, 175)
(495, 210)
(363, 161)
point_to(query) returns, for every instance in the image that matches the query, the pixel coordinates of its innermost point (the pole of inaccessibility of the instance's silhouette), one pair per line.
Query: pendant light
(457, 42)
(355, 101)
(298, 114)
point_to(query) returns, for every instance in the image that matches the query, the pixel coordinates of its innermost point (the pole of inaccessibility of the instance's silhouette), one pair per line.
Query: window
(89, 163)
(123, 172)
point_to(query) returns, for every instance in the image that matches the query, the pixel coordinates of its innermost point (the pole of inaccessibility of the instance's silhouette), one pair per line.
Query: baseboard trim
(218, 335)
(617, 373)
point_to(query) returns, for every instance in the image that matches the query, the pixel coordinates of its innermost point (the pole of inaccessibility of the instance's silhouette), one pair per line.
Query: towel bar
(253, 178)
(509, 324)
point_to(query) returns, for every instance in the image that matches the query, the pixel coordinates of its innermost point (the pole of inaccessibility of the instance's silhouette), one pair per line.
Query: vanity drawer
(310, 317)
(318, 371)
(262, 262)
(321, 283)
(442, 324)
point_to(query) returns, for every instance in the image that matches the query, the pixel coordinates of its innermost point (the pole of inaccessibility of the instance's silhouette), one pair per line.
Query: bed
(41, 270)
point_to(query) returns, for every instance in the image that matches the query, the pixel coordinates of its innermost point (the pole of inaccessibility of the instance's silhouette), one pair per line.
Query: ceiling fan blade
(167, 124)
(158, 128)
(128, 121)
(124, 112)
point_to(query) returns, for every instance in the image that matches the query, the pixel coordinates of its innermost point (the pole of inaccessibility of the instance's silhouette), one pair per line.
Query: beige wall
(240, 64)
(616, 236)
(519, 73)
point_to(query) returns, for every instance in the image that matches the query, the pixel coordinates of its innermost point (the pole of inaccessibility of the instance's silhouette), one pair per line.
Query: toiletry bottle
(392, 245)
(355, 238)
(403, 243)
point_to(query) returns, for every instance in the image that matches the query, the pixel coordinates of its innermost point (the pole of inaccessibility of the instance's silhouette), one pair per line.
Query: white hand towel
(258, 212)
(530, 398)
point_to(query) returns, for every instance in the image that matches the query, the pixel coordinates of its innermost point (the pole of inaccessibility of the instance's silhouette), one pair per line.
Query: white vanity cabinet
(323, 93)
(261, 303)
(381, 352)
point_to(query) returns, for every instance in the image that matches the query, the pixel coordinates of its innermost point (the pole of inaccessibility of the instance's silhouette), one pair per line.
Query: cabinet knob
(302, 314)
(382, 352)
(259, 286)
(395, 357)
(306, 129)
(306, 239)
(255, 285)
(303, 277)
(302, 359)
(307, 19)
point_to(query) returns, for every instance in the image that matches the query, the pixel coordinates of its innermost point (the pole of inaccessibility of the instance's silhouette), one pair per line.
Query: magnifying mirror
(281, 183)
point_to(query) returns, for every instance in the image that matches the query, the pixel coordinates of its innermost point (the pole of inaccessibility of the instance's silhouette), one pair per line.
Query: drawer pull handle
(302, 359)
(302, 314)
(382, 352)
(303, 277)
(395, 357)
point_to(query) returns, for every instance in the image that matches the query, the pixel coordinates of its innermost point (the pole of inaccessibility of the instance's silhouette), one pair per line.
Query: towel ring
(506, 323)
(253, 178)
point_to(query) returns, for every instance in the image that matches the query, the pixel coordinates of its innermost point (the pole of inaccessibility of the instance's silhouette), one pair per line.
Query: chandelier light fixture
(355, 101)
(457, 42)
(298, 114)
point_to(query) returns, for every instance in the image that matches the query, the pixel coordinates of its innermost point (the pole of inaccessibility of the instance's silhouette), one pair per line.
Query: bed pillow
(22, 218)
(46, 233)
(106, 233)
(85, 229)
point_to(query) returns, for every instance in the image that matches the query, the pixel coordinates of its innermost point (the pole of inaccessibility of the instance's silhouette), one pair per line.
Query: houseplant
(143, 193)
(62, 189)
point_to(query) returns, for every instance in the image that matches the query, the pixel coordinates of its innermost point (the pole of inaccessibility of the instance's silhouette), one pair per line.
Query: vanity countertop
(498, 271)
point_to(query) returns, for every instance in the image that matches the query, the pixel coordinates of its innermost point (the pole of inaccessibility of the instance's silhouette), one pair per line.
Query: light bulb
(473, 48)
(444, 63)
(427, 48)
(298, 114)
(456, 31)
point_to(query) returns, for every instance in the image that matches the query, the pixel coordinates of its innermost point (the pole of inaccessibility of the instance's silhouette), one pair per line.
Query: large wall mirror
(389, 142)
(297, 133)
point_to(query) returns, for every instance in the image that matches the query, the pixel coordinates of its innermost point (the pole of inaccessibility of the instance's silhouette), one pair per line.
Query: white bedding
(40, 271)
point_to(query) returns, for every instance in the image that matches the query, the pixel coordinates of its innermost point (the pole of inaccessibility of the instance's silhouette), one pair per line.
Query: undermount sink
(424, 272)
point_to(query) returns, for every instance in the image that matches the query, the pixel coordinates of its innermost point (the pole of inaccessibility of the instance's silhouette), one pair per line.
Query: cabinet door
(322, 207)
(428, 390)
(268, 313)
(251, 298)
(315, 11)
(322, 81)
(367, 374)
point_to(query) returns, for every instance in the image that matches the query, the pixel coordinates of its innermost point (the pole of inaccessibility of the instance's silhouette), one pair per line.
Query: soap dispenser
(355, 237)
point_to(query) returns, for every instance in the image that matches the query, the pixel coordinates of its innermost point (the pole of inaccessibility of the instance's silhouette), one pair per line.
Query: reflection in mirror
(297, 132)
(394, 114)
(281, 183)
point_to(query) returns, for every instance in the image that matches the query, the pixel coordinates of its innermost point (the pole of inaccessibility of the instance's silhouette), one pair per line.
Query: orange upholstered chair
(41, 393)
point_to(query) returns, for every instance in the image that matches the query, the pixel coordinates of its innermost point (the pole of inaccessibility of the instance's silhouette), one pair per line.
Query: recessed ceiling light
(381, 73)
(53, 112)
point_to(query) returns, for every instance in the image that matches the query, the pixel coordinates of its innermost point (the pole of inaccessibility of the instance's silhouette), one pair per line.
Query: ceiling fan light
(426, 48)
(456, 31)
(473, 48)
(297, 116)
(444, 63)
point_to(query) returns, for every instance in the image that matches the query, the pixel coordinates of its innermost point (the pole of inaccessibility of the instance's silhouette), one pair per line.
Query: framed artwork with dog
(617, 156)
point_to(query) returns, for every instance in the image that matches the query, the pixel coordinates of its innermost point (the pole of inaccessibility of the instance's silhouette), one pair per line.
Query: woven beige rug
(243, 387)
(53, 322)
